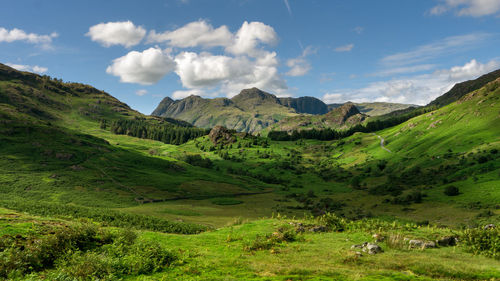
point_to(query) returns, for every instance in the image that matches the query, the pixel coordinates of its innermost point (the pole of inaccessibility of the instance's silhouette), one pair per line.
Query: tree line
(164, 132)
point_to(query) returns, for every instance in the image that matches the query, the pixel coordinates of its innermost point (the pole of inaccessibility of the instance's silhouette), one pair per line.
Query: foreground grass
(230, 253)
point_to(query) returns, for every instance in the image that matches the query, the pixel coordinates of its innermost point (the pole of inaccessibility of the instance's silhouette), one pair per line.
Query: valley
(237, 203)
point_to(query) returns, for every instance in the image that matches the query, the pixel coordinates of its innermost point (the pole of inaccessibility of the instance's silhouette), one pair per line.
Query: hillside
(57, 137)
(250, 111)
(461, 89)
(374, 108)
(339, 118)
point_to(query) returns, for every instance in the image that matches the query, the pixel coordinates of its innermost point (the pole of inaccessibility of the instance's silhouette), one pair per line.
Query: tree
(451, 190)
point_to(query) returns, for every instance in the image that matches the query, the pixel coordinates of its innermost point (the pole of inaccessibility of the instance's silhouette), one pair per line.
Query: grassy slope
(221, 254)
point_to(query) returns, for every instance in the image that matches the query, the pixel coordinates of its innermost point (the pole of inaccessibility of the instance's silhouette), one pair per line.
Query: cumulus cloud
(146, 67)
(250, 36)
(230, 74)
(419, 89)
(346, 48)
(474, 8)
(244, 63)
(141, 92)
(198, 33)
(29, 68)
(20, 35)
(299, 66)
(116, 33)
(177, 95)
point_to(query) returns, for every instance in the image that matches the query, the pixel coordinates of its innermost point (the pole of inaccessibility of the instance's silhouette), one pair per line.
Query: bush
(481, 241)
(332, 222)
(285, 233)
(82, 252)
(451, 190)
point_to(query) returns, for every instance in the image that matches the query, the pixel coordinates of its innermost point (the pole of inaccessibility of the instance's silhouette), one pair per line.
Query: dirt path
(382, 143)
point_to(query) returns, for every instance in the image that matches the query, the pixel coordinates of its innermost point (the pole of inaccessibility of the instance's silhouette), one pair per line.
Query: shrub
(482, 241)
(333, 222)
(285, 233)
(451, 190)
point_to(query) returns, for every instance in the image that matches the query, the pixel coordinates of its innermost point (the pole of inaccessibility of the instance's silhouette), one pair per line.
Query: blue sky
(141, 51)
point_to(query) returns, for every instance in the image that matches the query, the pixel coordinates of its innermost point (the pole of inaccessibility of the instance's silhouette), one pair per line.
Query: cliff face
(308, 105)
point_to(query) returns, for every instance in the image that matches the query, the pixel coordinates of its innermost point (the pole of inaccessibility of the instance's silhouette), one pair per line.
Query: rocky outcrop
(220, 135)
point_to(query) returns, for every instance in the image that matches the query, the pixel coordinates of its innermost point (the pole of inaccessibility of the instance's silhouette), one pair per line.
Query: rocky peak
(163, 106)
(340, 114)
(253, 94)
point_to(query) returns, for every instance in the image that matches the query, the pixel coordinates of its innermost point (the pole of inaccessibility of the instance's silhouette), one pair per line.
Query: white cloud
(419, 89)
(289, 9)
(474, 8)
(405, 69)
(435, 49)
(29, 68)
(116, 33)
(249, 36)
(346, 48)
(177, 95)
(20, 35)
(141, 92)
(146, 67)
(333, 98)
(299, 66)
(230, 74)
(469, 70)
(198, 33)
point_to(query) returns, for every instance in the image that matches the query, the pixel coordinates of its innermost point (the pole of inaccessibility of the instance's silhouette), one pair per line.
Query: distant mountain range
(253, 110)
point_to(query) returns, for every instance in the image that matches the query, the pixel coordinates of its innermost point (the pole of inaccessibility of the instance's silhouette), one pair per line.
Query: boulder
(489, 226)
(421, 244)
(368, 247)
(372, 249)
(447, 241)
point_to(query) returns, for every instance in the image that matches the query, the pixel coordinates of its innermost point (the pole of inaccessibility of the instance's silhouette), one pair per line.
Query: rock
(221, 135)
(489, 226)
(416, 243)
(447, 241)
(422, 244)
(372, 249)
(429, 244)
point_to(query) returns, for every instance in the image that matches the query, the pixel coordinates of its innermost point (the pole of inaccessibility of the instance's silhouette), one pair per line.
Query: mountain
(461, 89)
(250, 111)
(342, 117)
(374, 108)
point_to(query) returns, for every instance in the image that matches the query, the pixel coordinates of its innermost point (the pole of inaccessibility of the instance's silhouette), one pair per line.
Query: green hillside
(374, 108)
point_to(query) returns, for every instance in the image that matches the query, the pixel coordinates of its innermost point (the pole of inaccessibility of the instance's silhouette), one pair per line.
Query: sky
(407, 51)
